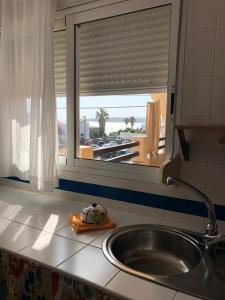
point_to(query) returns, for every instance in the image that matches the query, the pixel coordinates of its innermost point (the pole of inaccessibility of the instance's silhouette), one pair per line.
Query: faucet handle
(212, 240)
(169, 181)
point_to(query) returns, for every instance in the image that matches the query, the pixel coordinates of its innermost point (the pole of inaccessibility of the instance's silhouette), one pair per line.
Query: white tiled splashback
(203, 94)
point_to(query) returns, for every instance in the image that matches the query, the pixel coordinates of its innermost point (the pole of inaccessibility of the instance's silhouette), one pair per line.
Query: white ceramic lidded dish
(94, 214)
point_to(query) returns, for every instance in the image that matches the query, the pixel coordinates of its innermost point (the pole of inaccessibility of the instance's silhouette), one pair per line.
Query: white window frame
(89, 168)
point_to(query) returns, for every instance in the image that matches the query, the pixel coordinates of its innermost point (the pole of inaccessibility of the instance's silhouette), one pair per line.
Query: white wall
(203, 94)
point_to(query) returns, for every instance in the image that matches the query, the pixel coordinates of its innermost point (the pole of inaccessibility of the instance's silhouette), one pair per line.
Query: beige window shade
(60, 62)
(125, 52)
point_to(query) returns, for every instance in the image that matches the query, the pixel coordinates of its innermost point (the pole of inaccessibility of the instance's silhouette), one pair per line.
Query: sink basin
(151, 251)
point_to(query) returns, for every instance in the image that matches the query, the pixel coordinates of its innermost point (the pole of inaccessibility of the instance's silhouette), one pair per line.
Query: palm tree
(126, 121)
(132, 121)
(102, 116)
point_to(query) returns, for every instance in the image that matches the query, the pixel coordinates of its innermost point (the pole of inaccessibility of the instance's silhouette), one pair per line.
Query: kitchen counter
(35, 226)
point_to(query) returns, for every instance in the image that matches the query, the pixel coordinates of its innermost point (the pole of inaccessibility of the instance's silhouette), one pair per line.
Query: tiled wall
(203, 94)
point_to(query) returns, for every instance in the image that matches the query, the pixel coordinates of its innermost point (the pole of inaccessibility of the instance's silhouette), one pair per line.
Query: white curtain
(27, 92)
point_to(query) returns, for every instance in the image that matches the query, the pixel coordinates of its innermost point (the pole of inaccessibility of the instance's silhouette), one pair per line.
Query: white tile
(48, 222)
(133, 219)
(8, 209)
(116, 214)
(146, 211)
(6, 225)
(216, 153)
(196, 98)
(115, 204)
(139, 289)
(23, 215)
(44, 210)
(221, 225)
(72, 207)
(74, 197)
(218, 96)
(199, 144)
(3, 203)
(90, 264)
(84, 237)
(51, 249)
(201, 15)
(43, 200)
(219, 68)
(68, 205)
(199, 54)
(184, 226)
(182, 296)
(194, 173)
(17, 237)
(216, 183)
(221, 14)
(185, 220)
(16, 196)
(99, 241)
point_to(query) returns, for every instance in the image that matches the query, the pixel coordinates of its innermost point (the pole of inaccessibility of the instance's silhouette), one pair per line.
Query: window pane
(118, 60)
(114, 128)
(60, 87)
(61, 122)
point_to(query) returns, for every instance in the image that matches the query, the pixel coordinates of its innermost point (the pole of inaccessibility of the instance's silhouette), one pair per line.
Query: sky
(120, 103)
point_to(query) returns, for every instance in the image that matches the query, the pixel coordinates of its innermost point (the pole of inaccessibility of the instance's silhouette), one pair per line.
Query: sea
(116, 126)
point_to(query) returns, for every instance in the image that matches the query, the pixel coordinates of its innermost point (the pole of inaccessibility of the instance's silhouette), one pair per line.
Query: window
(122, 70)
(113, 128)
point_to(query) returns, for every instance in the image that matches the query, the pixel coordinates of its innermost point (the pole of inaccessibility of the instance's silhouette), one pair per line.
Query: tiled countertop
(35, 226)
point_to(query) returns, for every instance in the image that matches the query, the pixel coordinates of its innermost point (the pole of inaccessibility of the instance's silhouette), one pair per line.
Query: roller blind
(60, 62)
(125, 52)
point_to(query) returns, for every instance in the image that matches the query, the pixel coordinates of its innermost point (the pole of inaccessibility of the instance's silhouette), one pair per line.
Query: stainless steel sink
(151, 251)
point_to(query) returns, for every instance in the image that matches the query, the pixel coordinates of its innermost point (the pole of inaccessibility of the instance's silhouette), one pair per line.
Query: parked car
(108, 155)
(95, 146)
(101, 143)
(113, 143)
(123, 152)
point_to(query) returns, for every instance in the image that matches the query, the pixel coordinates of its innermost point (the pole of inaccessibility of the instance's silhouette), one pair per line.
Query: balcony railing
(114, 149)
(115, 153)
(123, 157)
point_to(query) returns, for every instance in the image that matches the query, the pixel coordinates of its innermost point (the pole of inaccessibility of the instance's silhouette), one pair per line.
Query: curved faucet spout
(211, 231)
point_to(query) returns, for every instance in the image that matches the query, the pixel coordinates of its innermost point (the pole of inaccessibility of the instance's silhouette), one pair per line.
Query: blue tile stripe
(147, 199)
(151, 200)
(18, 179)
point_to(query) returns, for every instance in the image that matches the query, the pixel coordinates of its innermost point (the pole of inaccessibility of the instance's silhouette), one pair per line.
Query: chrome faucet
(211, 234)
